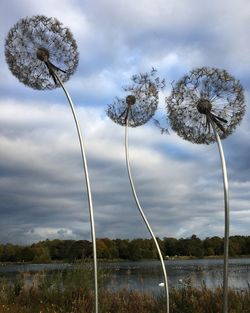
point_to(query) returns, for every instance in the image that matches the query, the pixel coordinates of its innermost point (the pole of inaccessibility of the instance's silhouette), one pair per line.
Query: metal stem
(86, 175)
(227, 221)
(144, 217)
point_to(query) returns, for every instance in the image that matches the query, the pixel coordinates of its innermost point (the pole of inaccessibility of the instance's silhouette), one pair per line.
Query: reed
(72, 292)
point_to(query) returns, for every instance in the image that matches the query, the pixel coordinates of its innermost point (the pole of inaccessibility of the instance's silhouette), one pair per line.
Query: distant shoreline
(101, 260)
(70, 251)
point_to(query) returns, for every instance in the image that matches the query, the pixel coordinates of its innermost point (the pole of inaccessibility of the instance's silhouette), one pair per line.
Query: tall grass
(71, 291)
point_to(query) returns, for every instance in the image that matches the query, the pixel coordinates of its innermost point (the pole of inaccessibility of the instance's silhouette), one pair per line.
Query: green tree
(195, 247)
(80, 249)
(170, 246)
(10, 253)
(134, 250)
(41, 254)
(237, 245)
(122, 248)
(26, 254)
(217, 244)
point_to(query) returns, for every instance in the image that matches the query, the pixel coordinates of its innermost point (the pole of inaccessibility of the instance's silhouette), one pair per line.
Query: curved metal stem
(86, 174)
(227, 220)
(144, 217)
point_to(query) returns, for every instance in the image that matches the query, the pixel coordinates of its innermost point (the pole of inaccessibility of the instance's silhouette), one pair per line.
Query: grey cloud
(179, 184)
(41, 186)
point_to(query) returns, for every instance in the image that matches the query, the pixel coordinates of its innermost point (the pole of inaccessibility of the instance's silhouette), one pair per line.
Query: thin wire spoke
(86, 175)
(144, 217)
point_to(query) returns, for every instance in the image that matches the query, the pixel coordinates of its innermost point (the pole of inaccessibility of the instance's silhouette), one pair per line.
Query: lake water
(146, 275)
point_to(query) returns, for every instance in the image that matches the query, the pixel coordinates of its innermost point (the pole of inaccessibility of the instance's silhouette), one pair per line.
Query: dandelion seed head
(204, 96)
(139, 106)
(32, 42)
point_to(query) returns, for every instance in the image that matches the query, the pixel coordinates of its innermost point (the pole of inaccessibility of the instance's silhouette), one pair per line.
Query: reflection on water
(146, 275)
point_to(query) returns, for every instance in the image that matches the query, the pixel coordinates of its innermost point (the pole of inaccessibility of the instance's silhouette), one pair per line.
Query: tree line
(125, 249)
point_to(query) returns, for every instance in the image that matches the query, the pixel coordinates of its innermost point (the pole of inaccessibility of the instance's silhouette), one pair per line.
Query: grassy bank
(71, 292)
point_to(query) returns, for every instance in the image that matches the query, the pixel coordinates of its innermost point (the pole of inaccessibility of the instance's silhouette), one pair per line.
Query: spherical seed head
(202, 93)
(34, 40)
(140, 105)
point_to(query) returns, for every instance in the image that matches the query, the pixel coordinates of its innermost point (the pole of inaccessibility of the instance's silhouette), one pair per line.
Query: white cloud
(178, 183)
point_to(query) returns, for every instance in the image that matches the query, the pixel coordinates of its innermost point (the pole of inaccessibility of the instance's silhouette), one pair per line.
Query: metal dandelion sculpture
(141, 103)
(42, 54)
(137, 108)
(203, 98)
(205, 106)
(38, 47)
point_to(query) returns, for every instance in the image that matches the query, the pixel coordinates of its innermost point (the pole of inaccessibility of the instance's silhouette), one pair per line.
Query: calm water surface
(146, 275)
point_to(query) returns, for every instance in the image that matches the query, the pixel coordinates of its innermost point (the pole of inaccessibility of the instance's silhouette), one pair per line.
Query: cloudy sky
(179, 184)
